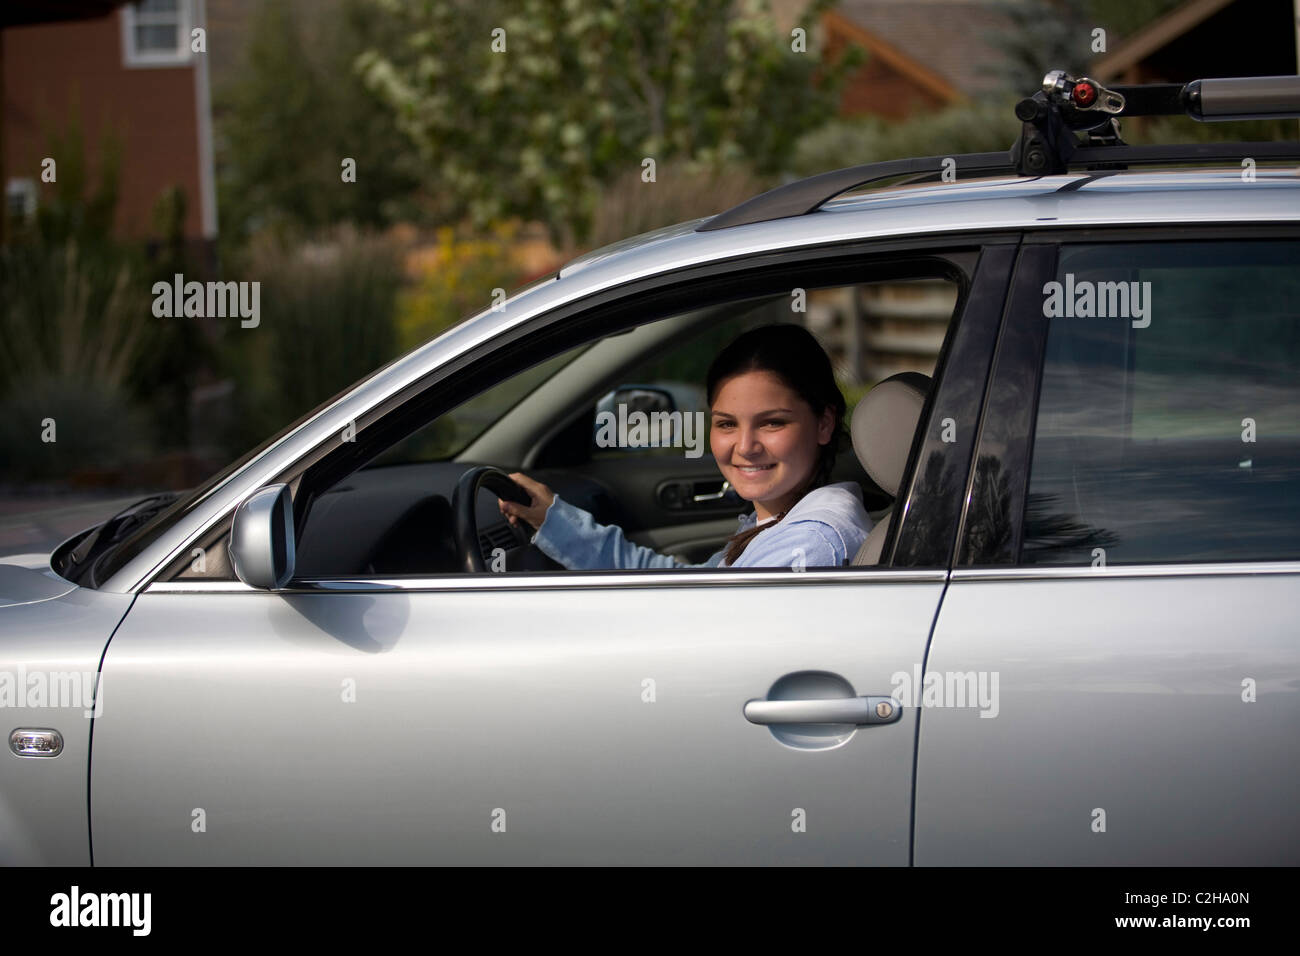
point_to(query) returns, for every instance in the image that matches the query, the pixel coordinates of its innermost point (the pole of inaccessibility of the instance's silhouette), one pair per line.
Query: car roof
(1005, 202)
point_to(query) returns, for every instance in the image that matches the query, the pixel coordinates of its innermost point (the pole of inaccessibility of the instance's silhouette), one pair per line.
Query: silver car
(1070, 639)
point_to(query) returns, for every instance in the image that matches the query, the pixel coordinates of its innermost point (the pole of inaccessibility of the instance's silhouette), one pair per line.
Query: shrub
(457, 277)
(327, 318)
(966, 128)
(72, 326)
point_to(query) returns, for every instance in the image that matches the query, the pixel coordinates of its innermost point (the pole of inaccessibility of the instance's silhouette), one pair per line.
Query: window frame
(134, 58)
(604, 313)
(988, 547)
(25, 189)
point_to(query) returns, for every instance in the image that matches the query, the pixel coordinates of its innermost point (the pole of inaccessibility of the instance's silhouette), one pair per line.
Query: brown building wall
(50, 67)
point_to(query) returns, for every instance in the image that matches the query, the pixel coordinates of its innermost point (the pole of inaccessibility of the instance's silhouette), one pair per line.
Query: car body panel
(527, 699)
(1122, 692)
(50, 651)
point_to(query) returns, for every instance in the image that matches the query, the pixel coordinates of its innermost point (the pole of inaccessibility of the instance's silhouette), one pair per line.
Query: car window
(447, 435)
(365, 520)
(680, 371)
(1169, 418)
(871, 331)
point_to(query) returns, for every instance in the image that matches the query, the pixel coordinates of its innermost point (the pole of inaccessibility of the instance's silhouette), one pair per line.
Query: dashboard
(397, 519)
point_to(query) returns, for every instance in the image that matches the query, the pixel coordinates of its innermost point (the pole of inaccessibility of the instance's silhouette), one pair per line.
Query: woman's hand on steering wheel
(534, 513)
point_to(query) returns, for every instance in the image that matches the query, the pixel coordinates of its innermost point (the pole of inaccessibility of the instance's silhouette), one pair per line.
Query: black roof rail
(1048, 146)
(808, 195)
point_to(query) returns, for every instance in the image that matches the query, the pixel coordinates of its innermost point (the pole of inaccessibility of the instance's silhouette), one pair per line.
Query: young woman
(777, 426)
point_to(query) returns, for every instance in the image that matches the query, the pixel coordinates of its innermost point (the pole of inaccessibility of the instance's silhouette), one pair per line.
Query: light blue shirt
(824, 529)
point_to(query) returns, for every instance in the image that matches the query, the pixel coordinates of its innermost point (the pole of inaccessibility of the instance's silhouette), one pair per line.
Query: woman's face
(766, 439)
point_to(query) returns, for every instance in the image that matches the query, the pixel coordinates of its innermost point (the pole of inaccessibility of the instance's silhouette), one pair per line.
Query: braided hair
(793, 355)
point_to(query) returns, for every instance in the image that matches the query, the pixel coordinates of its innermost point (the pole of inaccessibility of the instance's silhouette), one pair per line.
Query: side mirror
(261, 538)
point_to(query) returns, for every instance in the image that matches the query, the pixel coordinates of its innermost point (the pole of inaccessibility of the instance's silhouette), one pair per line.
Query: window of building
(156, 32)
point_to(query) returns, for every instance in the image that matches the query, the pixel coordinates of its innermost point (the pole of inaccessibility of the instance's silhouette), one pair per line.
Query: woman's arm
(571, 536)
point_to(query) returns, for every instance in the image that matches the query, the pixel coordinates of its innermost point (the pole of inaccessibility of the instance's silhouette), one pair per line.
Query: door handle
(832, 710)
(714, 496)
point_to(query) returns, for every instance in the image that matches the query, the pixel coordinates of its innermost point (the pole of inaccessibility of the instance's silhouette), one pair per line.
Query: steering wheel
(463, 507)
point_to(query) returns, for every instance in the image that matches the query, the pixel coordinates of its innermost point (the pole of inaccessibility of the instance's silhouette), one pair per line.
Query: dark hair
(792, 354)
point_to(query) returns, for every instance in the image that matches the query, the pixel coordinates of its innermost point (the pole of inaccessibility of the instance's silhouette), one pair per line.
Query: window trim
(133, 58)
(530, 581)
(25, 189)
(962, 372)
(928, 261)
(1058, 572)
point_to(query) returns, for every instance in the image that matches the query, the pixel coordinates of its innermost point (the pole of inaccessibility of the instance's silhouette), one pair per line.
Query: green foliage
(459, 274)
(295, 113)
(1041, 35)
(580, 91)
(1184, 129)
(71, 207)
(964, 128)
(97, 428)
(1047, 35)
(68, 315)
(74, 333)
(681, 191)
(327, 319)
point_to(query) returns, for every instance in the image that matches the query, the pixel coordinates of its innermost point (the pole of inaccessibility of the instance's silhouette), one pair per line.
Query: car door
(1129, 570)
(569, 717)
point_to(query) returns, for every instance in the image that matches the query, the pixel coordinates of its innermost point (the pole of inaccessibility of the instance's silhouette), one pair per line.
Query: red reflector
(1085, 94)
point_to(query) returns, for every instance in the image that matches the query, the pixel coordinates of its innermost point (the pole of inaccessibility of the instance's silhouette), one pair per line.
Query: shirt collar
(812, 499)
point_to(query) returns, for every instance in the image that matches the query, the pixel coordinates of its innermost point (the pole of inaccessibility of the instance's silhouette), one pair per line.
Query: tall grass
(72, 329)
(327, 319)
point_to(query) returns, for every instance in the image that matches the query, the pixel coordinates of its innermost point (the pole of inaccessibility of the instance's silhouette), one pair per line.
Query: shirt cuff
(552, 523)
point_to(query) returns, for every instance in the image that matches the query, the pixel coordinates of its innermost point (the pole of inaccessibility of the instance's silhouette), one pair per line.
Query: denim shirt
(824, 529)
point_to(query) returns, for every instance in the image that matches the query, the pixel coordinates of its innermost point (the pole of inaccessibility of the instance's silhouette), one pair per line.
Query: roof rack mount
(1048, 145)
(1065, 106)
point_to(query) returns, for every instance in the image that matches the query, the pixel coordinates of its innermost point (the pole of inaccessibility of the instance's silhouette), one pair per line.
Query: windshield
(451, 433)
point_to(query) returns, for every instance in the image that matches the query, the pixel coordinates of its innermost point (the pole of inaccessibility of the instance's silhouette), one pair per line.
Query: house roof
(25, 12)
(942, 44)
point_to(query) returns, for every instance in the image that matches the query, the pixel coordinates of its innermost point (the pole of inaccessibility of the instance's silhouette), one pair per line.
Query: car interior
(395, 516)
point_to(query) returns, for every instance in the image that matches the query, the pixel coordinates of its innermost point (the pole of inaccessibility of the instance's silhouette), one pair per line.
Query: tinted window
(1169, 416)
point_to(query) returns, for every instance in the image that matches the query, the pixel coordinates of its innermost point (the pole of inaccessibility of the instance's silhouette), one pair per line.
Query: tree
(526, 108)
(1042, 35)
(296, 113)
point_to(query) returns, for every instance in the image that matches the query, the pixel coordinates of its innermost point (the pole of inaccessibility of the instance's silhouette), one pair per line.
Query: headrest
(884, 423)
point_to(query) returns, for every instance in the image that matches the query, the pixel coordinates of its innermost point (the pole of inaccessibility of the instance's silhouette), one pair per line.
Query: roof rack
(1048, 145)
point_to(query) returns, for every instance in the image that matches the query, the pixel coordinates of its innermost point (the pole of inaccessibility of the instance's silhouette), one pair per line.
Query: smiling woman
(778, 425)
